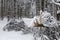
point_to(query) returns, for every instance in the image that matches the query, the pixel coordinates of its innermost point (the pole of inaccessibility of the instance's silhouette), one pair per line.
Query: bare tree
(2, 9)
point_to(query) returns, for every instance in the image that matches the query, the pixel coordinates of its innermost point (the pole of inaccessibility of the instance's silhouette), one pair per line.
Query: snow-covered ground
(15, 36)
(12, 35)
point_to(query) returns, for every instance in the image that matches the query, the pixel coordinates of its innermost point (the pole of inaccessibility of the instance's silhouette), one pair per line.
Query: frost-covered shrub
(17, 26)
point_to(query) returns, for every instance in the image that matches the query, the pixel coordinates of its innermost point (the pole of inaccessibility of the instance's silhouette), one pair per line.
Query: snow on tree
(48, 20)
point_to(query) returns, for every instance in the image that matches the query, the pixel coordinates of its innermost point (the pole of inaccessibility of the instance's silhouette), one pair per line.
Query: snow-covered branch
(55, 3)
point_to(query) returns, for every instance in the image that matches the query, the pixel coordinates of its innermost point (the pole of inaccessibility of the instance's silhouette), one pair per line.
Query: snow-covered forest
(29, 19)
